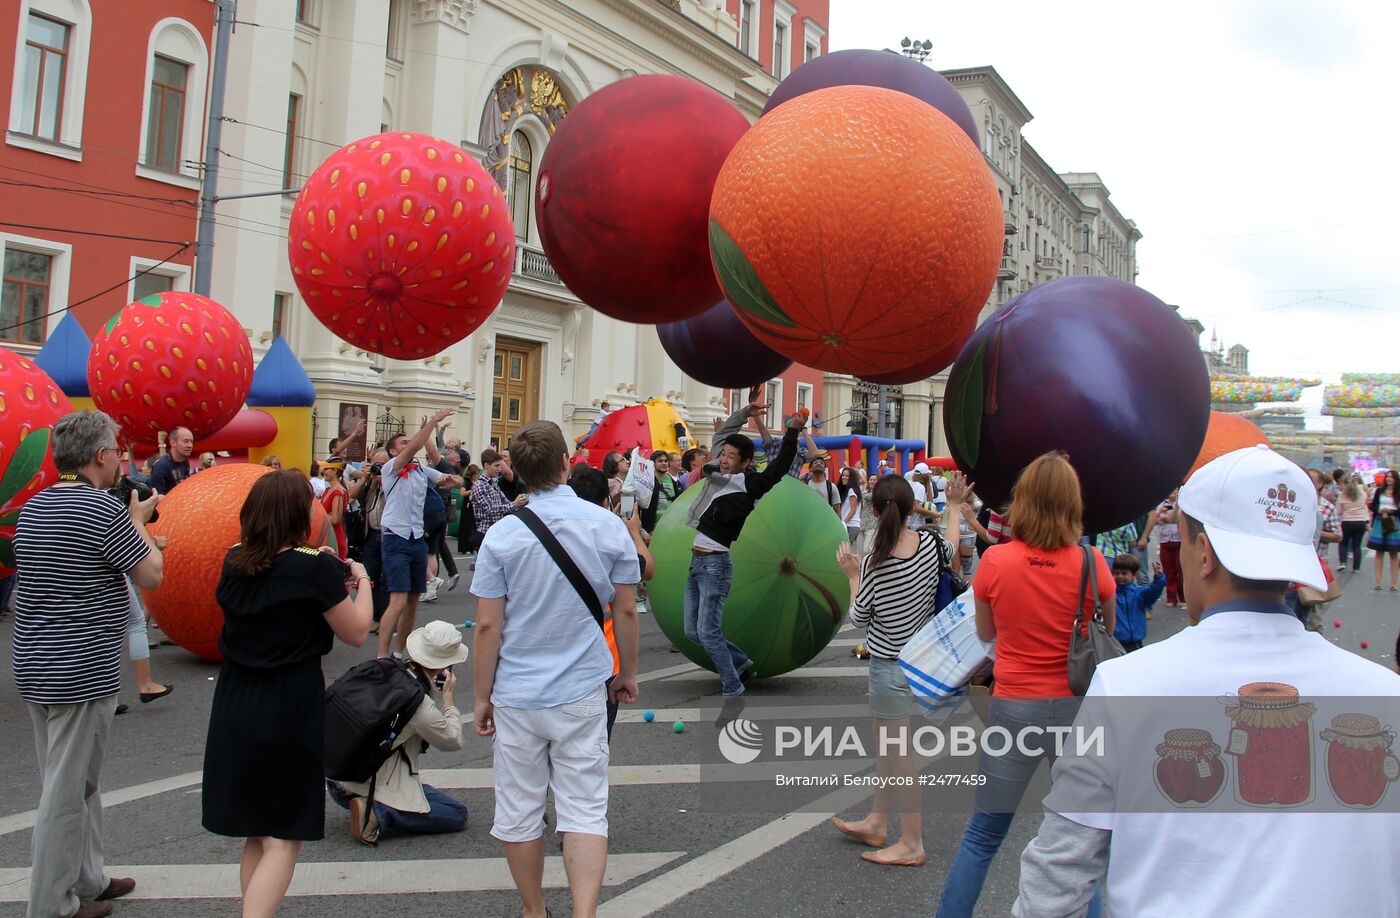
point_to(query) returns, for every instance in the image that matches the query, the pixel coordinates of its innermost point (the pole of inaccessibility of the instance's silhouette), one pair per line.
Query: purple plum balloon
(861, 67)
(1093, 366)
(715, 348)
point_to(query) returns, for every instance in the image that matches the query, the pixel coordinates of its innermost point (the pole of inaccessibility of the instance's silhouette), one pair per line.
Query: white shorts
(563, 748)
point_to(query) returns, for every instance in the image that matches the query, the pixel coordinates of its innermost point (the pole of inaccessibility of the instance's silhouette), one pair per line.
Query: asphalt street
(675, 849)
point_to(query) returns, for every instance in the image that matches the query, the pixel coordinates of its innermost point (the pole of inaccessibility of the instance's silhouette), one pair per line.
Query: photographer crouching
(74, 546)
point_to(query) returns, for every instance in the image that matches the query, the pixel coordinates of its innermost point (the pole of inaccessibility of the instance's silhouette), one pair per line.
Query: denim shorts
(405, 564)
(889, 690)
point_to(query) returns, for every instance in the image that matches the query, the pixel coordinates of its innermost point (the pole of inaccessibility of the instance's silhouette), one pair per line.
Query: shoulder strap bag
(567, 567)
(1086, 652)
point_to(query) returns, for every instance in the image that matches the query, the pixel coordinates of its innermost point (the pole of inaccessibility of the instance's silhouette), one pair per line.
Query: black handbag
(1087, 651)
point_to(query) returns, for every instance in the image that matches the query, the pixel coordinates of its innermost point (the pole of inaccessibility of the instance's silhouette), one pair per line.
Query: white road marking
(642, 775)
(806, 672)
(21, 821)
(349, 878)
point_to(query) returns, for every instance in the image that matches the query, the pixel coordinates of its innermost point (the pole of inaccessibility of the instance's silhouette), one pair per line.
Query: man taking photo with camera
(74, 545)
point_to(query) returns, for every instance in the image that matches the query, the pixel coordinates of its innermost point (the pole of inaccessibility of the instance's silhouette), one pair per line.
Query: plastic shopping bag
(942, 656)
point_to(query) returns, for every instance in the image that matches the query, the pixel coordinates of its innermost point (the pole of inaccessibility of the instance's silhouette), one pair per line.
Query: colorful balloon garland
(1246, 390)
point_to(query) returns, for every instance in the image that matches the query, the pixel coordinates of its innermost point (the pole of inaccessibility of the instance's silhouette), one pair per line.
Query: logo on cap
(1281, 506)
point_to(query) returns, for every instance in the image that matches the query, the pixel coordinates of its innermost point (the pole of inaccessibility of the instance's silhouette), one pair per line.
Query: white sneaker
(452, 581)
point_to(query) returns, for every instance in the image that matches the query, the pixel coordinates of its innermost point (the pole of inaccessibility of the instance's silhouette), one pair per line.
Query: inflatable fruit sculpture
(852, 227)
(789, 594)
(401, 244)
(716, 348)
(199, 520)
(170, 359)
(935, 363)
(1226, 433)
(654, 424)
(624, 193)
(30, 403)
(864, 67)
(1061, 367)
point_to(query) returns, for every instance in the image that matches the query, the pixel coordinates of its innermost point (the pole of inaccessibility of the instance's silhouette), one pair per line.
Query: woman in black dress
(284, 604)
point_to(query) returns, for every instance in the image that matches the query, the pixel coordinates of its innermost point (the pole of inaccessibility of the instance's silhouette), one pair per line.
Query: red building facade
(782, 35)
(102, 156)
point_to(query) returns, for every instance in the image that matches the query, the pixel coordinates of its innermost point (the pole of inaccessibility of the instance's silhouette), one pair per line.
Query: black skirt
(264, 759)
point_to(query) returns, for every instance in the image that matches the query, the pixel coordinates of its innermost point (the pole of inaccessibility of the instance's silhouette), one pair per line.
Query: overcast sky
(1251, 140)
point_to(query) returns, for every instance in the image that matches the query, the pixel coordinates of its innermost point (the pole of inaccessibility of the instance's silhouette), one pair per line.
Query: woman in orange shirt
(1027, 594)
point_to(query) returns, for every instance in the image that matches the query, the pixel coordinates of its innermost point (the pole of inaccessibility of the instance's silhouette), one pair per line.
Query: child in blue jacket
(1130, 627)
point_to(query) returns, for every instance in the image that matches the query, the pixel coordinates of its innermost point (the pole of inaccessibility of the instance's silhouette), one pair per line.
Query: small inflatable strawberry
(30, 403)
(401, 244)
(171, 359)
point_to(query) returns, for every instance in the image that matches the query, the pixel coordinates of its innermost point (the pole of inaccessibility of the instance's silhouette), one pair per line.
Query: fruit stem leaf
(741, 282)
(965, 407)
(25, 463)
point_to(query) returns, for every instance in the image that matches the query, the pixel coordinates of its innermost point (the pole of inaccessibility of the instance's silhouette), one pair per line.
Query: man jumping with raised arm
(731, 490)
(405, 550)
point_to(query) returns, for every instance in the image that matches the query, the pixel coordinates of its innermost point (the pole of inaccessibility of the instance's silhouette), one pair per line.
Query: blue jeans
(446, 814)
(706, 589)
(1007, 778)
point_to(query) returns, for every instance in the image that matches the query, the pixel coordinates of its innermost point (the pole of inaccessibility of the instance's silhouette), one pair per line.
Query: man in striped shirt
(75, 545)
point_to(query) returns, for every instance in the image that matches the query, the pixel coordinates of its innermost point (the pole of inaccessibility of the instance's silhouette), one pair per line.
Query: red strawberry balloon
(401, 244)
(171, 359)
(30, 403)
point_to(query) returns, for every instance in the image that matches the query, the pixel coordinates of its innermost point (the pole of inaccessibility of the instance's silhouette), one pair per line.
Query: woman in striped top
(894, 589)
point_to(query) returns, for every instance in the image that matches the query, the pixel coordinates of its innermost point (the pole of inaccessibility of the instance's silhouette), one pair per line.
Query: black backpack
(366, 709)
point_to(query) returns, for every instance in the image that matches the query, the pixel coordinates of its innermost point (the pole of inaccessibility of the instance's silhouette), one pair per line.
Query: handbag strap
(566, 564)
(1088, 577)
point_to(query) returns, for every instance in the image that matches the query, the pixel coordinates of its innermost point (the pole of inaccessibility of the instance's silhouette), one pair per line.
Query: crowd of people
(560, 559)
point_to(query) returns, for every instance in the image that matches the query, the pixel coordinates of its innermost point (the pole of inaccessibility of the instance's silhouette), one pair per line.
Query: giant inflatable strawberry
(401, 244)
(30, 403)
(171, 359)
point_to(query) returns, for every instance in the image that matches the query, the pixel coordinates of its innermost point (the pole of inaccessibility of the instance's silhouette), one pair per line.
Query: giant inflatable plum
(864, 67)
(852, 227)
(199, 520)
(716, 348)
(401, 244)
(789, 594)
(170, 359)
(30, 403)
(624, 191)
(1093, 366)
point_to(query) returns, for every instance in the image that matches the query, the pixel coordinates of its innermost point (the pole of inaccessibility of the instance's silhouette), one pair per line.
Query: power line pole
(213, 137)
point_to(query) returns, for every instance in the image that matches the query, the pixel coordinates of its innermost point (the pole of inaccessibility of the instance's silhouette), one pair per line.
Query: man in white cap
(921, 480)
(403, 804)
(1276, 847)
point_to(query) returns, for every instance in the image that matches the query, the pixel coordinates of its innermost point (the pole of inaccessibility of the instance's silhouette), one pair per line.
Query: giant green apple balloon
(789, 594)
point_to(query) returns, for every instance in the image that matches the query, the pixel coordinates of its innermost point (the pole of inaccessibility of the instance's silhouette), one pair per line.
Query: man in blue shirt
(541, 666)
(404, 547)
(169, 470)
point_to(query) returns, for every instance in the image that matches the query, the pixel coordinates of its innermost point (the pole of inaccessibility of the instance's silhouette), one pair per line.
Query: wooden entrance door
(515, 388)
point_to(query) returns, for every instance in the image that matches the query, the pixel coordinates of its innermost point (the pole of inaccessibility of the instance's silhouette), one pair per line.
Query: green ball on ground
(678, 726)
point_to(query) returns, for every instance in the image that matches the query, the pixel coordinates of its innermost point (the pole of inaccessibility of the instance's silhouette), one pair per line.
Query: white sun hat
(1260, 512)
(437, 645)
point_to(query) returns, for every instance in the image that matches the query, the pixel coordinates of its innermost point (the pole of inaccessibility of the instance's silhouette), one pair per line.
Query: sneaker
(452, 582)
(430, 596)
(1341, 567)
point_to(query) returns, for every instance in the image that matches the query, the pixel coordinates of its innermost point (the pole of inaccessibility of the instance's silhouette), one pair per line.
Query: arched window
(522, 162)
(172, 120)
(49, 86)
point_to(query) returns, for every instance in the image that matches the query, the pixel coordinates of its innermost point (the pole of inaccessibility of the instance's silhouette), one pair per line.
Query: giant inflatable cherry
(623, 194)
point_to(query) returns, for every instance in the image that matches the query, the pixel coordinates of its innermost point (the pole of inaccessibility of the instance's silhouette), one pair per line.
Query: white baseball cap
(921, 468)
(1260, 512)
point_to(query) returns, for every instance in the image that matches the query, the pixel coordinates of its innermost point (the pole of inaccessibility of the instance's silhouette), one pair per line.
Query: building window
(773, 410)
(393, 44)
(165, 117)
(804, 396)
(45, 71)
(289, 151)
(522, 158)
(151, 283)
(24, 302)
(811, 53)
(736, 400)
(748, 19)
(305, 12)
(780, 31)
(279, 314)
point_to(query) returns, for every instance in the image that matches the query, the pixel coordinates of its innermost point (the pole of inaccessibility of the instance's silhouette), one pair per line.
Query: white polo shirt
(552, 650)
(1224, 858)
